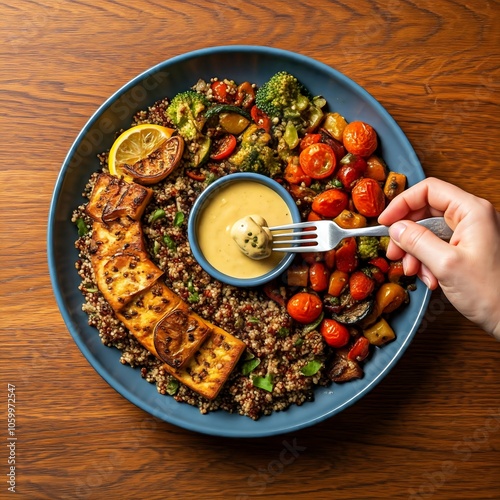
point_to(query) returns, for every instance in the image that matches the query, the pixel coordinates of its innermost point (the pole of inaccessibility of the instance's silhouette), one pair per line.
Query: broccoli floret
(285, 98)
(368, 247)
(384, 243)
(282, 96)
(186, 112)
(254, 154)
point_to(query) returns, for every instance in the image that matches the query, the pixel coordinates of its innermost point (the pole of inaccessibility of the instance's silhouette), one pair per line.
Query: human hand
(468, 267)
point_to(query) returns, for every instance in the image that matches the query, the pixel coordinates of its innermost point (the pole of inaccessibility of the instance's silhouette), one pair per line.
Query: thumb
(422, 243)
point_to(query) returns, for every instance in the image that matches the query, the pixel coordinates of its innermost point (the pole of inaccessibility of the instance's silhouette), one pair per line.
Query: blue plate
(241, 63)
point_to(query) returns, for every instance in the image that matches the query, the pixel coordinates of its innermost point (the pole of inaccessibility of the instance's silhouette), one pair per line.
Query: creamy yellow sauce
(218, 217)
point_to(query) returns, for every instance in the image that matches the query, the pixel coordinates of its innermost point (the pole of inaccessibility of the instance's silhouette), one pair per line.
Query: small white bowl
(195, 216)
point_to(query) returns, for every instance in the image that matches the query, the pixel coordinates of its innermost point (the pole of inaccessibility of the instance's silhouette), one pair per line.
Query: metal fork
(324, 235)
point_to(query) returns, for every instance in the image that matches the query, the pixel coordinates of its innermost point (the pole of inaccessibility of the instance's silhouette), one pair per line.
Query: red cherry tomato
(335, 334)
(346, 259)
(221, 92)
(359, 138)
(304, 307)
(318, 160)
(294, 173)
(330, 203)
(349, 173)
(318, 276)
(368, 197)
(360, 285)
(260, 118)
(360, 350)
(223, 147)
(308, 140)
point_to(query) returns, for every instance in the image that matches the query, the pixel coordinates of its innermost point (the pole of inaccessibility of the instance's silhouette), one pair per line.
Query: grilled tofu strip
(208, 370)
(113, 198)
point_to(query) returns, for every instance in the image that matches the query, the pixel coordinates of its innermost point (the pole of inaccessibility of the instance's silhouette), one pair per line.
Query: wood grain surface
(431, 429)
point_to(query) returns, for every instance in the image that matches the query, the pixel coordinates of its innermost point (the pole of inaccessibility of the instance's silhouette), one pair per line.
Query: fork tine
(294, 234)
(297, 249)
(298, 225)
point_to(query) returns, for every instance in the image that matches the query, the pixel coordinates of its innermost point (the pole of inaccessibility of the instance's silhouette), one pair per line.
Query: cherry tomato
(223, 147)
(335, 334)
(359, 138)
(260, 118)
(318, 160)
(308, 140)
(294, 173)
(330, 203)
(318, 276)
(360, 350)
(368, 197)
(305, 307)
(221, 92)
(345, 258)
(245, 95)
(349, 173)
(360, 285)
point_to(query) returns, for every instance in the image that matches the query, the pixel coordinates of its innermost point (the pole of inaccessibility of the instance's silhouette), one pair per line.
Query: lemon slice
(134, 145)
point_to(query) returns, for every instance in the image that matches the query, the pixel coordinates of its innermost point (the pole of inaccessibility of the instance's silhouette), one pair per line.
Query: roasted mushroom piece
(343, 369)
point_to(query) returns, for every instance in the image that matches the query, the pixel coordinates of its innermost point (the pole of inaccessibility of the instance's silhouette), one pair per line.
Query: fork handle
(435, 224)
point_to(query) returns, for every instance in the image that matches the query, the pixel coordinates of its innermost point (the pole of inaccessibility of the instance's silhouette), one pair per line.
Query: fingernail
(426, 281)
(396, 230)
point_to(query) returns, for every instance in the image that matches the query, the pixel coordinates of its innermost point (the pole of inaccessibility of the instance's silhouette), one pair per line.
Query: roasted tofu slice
(178, 335)
(122, 276)
(115, 237)
(113, 198)
(209, 368)
(145, 310)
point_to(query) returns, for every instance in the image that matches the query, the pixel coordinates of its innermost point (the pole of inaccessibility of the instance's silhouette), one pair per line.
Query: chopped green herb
(283, 332)
(170, 243)
(178, 219)
(193, 297)
(250, 365)
(82, 227)
(156, 247)
(312, 326)
(265, 383)
(91, 289)
(253, 319)
(157, 214)
(298, 342)
(172, 387)
(311, 368)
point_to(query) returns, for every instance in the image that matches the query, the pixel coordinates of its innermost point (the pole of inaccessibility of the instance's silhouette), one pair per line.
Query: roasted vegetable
(394, 185)
(353, 314)
(284, 97)
(254, 154)
(187, 112)
(390, 296)
(380, 333)
(367, 247)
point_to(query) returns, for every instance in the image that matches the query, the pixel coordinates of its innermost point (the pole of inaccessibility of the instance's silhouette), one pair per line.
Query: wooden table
(431, 429)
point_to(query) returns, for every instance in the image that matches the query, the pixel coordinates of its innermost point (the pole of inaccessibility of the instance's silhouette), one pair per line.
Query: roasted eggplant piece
(343, 369)
(349, 311)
